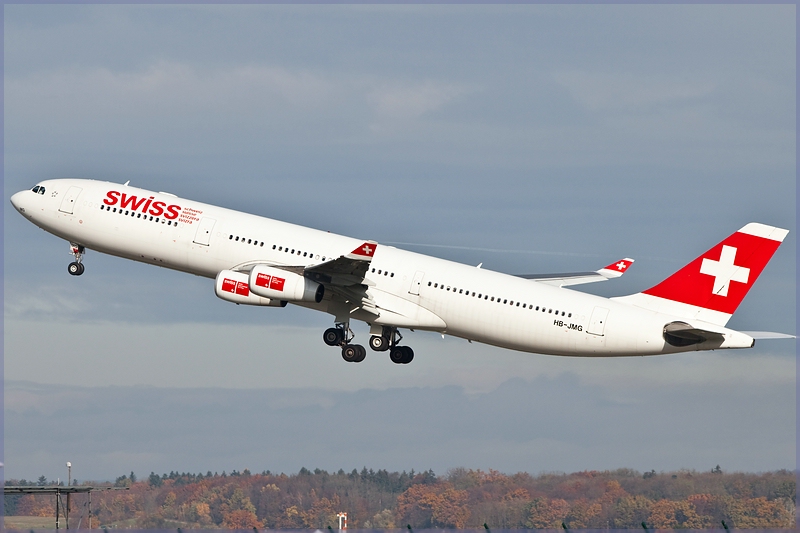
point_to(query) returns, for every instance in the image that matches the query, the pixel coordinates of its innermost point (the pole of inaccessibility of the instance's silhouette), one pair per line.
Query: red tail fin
(719, 279)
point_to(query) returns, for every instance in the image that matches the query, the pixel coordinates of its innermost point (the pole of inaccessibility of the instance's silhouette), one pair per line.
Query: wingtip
(617, 268)
(365, 250)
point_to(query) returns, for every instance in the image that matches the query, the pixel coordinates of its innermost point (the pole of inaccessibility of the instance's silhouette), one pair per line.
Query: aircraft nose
(18, 201)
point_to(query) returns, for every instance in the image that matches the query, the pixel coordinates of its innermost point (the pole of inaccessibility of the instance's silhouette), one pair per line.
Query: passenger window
(505, 301)
(391, 275)
(492, 298)
(569, 315)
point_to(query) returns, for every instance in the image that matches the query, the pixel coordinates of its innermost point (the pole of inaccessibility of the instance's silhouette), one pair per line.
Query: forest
(459, 499)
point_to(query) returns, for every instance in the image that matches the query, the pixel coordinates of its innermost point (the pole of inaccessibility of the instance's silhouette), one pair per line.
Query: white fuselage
(410, 290)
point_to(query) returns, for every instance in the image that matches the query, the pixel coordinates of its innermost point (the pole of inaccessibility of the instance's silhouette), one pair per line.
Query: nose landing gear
(76, 268)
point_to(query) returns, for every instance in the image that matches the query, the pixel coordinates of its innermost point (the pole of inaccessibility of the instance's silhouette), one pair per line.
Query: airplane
(263, 262)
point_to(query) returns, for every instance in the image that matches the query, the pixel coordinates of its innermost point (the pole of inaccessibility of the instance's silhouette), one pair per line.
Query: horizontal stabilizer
(761, 335)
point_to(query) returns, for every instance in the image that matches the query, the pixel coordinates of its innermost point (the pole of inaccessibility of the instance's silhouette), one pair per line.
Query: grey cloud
(544, 424)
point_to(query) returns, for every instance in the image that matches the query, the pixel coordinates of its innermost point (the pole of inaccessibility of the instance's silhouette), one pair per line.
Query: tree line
(459, 499)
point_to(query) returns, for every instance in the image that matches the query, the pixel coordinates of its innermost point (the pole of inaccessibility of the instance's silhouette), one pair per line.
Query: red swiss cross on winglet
(620, 266)
(616, 269)
(365, 250)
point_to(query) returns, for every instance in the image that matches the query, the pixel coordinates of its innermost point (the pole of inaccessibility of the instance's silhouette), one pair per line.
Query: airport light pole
(69, 482)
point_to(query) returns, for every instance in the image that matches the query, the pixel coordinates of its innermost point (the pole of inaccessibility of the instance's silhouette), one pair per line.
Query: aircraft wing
(344, 277)
(614, 270)
(345, 270)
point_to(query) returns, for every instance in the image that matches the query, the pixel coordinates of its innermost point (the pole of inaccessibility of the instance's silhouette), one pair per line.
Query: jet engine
(274, 283)
(233, 287)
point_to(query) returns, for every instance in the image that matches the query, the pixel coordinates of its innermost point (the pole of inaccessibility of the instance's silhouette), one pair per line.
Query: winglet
(364, 251)
(615, 270)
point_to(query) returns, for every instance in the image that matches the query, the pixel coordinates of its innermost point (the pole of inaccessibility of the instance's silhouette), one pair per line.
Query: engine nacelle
(277, 284)
(233, 287)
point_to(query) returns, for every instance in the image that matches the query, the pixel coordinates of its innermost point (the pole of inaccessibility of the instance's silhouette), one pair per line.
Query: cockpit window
(41, 190)
(38, 189)
(35, 189)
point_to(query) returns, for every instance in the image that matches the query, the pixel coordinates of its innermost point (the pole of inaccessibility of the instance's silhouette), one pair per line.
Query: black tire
(82, 268)
(333, 337)
(350, 353)
(75, 269)
(409, 354)
(379, 343)
(362, 353)
(397, 355)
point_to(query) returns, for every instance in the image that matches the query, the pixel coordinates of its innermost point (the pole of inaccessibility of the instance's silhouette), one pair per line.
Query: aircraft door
(416, 283)
(597, 323)
(68, 203)
(203, 235)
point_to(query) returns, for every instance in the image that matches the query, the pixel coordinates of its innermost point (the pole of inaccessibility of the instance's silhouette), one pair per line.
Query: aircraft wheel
(333, 336)
(352, 353)
(397, 355)
(379, 343)
(409, 354)
(75, 269)
(362, 353)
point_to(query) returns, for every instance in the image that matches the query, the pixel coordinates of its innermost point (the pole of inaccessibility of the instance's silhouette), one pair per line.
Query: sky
(529, 138)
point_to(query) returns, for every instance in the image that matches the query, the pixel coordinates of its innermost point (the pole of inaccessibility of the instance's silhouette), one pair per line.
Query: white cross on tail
(724, 270)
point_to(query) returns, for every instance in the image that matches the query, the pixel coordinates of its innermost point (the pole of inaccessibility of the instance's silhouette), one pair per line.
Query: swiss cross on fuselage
(724, 270)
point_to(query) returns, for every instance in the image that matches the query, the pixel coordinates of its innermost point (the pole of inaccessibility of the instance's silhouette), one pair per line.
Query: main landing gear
(76, 268)
(389, 340)
(341, 335)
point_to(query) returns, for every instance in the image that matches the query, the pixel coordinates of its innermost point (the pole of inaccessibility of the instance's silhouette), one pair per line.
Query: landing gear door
(203, 235)
(416, 283)
(68, 203)
(597, 323)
